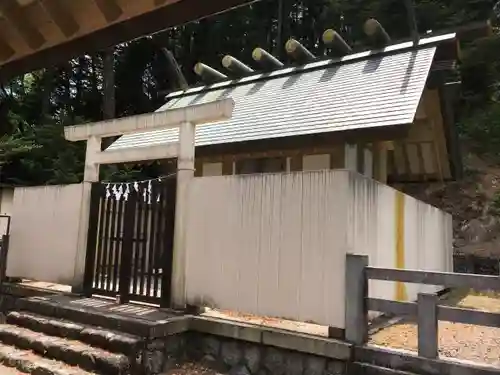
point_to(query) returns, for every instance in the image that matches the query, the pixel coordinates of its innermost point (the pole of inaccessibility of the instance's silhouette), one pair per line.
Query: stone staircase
(37, 344)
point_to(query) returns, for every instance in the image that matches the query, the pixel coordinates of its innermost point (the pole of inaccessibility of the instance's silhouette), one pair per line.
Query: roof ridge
(316, 65)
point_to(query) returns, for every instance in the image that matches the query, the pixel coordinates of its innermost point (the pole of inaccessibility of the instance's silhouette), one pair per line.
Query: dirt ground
(190, 369)
(461, 341)
(300, 327)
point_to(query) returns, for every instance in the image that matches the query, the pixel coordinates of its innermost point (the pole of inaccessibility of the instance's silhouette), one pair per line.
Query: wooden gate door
(130, 241)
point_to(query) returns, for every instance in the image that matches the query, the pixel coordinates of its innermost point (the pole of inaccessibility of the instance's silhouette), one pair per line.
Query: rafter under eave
(109, 9)
(6, 51)
(17, 17)
(61, 16)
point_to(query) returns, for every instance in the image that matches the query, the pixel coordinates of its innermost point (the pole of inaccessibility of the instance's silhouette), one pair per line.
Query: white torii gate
(186, 119)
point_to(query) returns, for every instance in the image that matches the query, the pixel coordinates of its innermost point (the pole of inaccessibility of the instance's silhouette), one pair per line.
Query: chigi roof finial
(376, 33)
(333, 40)
(265, 59)
(208, 74)
(298, 52)
(235, 66)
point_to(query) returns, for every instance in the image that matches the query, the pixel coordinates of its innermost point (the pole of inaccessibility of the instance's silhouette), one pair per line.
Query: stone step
(4, 370)
(64, 308)
(30, 363)
(358, 368)
(113, 341)
(71, 352)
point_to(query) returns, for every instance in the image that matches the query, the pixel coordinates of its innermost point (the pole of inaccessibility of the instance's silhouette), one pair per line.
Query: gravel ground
(301, 327)
(462, 341)
(188, 369)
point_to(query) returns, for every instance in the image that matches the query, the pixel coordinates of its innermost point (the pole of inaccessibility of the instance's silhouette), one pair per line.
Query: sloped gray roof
(363, 91)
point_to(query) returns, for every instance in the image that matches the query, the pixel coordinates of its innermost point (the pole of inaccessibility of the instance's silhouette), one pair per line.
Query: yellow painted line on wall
(400, 243)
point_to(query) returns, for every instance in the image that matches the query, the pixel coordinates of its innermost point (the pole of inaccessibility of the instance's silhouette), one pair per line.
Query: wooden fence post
(94, 217)
(126, 256)
(3, 256)
(356, 292)
(427, 325)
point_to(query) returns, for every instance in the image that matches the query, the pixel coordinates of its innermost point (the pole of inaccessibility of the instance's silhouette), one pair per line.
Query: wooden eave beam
(421, 113)
(109, 9)
(474, 31)
(16, 16)
(448, 50)
(420, 131)
(6, 50)
(61, 16)
(219, 110)
(175, 13)
(433, 108)
(137, 154)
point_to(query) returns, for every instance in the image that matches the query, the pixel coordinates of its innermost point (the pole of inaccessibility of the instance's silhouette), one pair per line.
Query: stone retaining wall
(235, 357)
(7, 303)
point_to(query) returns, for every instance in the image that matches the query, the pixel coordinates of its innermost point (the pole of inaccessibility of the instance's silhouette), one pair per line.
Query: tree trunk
(109, 101)
(109, 105)
(69, 113)
(79, 86)
(48, 77)
(94, 81)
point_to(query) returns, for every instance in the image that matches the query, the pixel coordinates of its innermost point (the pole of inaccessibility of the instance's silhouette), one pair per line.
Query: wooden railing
(426, 309)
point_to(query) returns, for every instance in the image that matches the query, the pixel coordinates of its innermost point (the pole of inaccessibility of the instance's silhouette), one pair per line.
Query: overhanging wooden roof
(40, 33)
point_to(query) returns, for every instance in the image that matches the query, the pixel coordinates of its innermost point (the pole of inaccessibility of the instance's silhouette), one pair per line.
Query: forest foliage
(133, 77)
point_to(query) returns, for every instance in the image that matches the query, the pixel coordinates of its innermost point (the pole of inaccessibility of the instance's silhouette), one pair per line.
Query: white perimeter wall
(275, 244)
(378, 215)
(258, 244)
(44, 233)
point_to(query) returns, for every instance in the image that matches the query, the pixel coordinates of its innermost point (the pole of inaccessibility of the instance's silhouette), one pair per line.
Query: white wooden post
(90, 175)
(351, 157)
(185, 173)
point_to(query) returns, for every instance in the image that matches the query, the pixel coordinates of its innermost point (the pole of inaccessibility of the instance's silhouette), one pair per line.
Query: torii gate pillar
(186, 119)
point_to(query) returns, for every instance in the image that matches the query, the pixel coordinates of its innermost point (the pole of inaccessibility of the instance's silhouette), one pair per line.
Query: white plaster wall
(275, 244)
(371, 227)
(428, 242)
(212, 169)
(372, 231)
(351, 157)
(315, 162)
(368, 163)
(351, 154)
(269, 245)
(44, 233)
